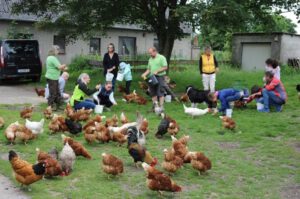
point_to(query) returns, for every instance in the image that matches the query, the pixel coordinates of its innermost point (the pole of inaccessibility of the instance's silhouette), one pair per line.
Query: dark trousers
(104, 101)
(127, 90)
(86, 104)
(54, 94)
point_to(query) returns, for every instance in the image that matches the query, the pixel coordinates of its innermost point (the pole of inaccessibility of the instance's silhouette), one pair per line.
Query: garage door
(255, 55)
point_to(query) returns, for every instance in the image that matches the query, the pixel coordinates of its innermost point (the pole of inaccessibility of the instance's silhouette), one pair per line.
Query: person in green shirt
(157, 66)
(53, 71)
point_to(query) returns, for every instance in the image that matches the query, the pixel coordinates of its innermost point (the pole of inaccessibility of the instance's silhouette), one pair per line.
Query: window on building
(95, 46)
(155, 44)
(127, 46)
(61, 42)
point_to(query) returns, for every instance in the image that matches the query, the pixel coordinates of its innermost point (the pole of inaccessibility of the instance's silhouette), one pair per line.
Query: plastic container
(120, 77)
(168, 98)
(259, 106)
(99, 109)
(109, 77)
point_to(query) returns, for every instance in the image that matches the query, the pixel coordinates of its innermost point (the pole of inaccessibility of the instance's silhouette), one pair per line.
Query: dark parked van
(20, 59)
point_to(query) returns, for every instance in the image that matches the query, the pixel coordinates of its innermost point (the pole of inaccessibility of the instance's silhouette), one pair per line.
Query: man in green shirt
(157, 66)
(53, 70)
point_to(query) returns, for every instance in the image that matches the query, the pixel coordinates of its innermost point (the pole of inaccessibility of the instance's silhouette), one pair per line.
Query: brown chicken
(171, 162)
(40, 92)
(26, 113)
(184, 98)
(143, 85)
(123, 118)
(121, 89)
(179, 147)
(10, 132)
(112, 121)
(140, 100)
(58, 124)
(140, 154)
(119, 137)
(102, 133)
(48, 113)
(144, 126)
(228, 123)
(173, 128)
(91, 122)
(24, 172)
(53, 168)
(77, 147)
(79, 115)
(200, 162)
(90, 134)
(112, 165)
(158, 181)
(134, 97)
(2, 122)
(239, 104)
(24, 134)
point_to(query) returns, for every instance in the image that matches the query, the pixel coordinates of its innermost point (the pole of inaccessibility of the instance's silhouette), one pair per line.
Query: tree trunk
(166, 43)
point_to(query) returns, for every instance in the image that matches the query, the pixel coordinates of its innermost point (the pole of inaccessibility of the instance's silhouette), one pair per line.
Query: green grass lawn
(261, 159)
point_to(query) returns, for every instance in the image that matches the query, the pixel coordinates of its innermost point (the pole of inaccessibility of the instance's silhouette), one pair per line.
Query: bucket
(120, 77)
(168, 98)
(259, 106)
(99, 109)
(109, 77)
(229, 113)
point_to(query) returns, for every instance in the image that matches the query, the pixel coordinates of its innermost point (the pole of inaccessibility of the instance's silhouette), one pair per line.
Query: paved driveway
(19, 94)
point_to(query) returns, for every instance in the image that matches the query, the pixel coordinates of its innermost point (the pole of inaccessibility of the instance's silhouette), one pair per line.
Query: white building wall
(144, 40)
(290, 47)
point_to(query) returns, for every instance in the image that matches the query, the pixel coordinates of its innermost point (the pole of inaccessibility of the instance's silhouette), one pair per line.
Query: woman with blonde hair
(81, 92)
(53, 71)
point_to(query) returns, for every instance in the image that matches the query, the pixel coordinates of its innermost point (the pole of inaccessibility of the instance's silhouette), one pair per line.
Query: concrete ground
(19, 94)
(9, 190)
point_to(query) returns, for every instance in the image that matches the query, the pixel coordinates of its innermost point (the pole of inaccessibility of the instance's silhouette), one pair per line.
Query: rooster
(112, 165)
(200, 162)
(48, 113)
(53, 168)
(158, 181)
(1, 122)
(140, 154)
(228, 123)
(67, 158)
(77, 147)
(10, 132)
(40, 92)
(26, 113)
(36, 128)
(24, 172)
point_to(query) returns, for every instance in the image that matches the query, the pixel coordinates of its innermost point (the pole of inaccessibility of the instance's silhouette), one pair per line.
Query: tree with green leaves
(76, 18)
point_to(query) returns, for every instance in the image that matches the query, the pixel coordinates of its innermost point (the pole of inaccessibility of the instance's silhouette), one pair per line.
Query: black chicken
(162, 127)
(74, 127)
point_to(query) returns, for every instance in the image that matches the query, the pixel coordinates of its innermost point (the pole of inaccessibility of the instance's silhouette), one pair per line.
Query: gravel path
(9, 190)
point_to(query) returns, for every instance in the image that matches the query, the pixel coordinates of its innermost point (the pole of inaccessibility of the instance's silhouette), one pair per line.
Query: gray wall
(290, 47)
(239, 39)
(182, 48)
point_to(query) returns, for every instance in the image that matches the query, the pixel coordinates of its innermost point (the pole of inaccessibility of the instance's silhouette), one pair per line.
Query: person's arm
(112, 98)
(200, 65)
(86, 90)
(105, 62)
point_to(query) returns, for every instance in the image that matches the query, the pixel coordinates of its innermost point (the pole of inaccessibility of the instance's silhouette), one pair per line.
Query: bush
(79, 63)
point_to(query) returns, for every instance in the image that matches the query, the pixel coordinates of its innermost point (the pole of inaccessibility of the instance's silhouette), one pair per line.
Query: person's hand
(155, 73)
(98, 86)
(143, 76)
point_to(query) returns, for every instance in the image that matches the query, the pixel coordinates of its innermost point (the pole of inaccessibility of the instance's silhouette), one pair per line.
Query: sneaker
(264, 110)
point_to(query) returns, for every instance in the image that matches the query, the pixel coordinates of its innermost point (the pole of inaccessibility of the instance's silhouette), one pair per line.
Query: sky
(293, 17)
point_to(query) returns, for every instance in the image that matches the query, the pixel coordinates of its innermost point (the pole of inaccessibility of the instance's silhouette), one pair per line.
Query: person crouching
(81, 92)
(105, 96)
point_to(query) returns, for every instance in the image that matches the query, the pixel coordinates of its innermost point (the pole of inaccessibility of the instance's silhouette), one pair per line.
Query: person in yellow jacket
(208, 66)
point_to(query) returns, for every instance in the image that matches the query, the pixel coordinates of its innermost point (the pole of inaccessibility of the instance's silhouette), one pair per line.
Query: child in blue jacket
(226, 96)
(125, 69)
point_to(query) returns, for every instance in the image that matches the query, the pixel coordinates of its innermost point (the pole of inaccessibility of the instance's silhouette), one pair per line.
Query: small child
(272, 65)
(125, 69)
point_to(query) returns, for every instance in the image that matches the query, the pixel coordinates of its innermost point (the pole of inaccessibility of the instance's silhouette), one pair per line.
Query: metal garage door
(255, 55)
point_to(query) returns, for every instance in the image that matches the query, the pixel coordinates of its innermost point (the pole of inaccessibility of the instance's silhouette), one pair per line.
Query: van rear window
(21, 49)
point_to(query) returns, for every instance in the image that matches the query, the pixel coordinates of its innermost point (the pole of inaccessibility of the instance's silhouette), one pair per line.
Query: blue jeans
(231, 98)
(270, 99)
(86, 104)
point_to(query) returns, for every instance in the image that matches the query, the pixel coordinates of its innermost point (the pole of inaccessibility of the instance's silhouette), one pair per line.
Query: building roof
(262, 33)
(5, 14)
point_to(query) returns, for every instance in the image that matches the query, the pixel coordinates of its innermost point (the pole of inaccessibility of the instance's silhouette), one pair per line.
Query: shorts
(158, 90)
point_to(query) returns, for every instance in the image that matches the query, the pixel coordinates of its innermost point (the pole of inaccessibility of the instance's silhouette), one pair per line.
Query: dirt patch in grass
(296, 146)
(4, 156)
(229, 145)
(290, 192)
(137, 189)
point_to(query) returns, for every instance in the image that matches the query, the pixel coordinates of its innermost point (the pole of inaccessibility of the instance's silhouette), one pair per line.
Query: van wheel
(36, 79)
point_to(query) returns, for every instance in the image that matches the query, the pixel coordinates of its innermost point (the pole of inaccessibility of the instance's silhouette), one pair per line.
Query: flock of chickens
(103, 130)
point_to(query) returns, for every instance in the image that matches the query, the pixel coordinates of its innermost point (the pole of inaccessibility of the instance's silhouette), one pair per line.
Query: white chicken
(194, 111)
(36, 127)
(121, 128)
(67, 158)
